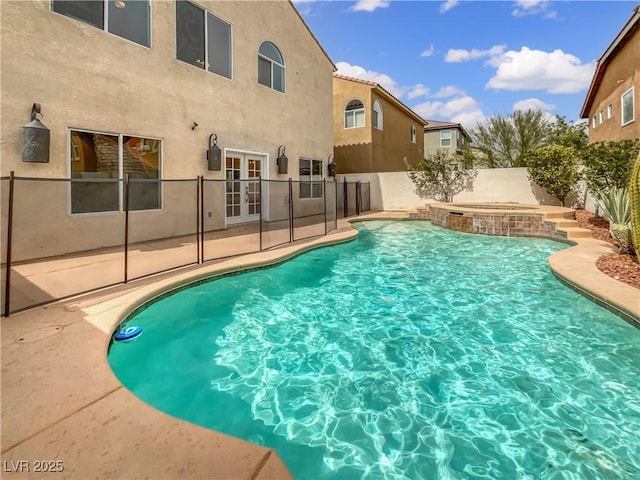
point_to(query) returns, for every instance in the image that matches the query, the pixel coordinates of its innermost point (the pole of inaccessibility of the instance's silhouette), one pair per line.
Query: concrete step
(562, 224)
(576, 232)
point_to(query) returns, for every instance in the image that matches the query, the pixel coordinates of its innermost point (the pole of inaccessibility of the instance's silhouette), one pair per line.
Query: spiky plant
(617, 209)
(634, 198)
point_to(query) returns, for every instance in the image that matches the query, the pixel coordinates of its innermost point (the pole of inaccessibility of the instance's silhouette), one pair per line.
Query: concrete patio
(61, 401)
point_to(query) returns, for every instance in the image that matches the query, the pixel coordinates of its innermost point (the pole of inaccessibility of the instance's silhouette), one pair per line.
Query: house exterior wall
(87, 78)
(352, 146)
(369, 149)
(432, 141)
(625, 67)
(392, 144)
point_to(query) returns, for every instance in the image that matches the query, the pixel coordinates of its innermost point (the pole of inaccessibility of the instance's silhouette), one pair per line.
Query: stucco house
(373, 131)
(611, 105)
(144, 89)
(448, 136)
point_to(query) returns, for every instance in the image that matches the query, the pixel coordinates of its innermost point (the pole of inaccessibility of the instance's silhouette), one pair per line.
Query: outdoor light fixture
(35, 139)
(214, 154)
(282, 161)
(331, 166)
(119, 4)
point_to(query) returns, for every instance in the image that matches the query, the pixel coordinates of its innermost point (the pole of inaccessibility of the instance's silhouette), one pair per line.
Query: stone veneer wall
(504, 224)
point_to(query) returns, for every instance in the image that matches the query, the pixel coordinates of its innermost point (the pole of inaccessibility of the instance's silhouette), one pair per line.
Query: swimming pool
(412, 352)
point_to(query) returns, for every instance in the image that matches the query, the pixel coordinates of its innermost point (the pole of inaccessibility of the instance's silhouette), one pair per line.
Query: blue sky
(464, 61)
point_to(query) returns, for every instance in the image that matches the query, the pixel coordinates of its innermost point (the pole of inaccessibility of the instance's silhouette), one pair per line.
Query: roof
(433, 125)
(386, 93)
(312, 35)
(618, 43)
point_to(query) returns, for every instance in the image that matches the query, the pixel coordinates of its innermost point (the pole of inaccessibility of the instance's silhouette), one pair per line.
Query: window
(609, 111)
(601, 116)
(270, 67)
(310, 178)
(445, 138)
(354, 114)
(413, 134)
(593, 122)
(377, 115)
(628, 110)
(202, 39)
(101, 160)
(128, 19)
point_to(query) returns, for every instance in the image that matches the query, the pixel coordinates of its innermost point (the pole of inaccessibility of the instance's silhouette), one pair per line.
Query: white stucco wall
(395, 191)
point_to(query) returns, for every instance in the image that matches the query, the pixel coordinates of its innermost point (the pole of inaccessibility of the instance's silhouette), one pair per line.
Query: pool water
(414, 352)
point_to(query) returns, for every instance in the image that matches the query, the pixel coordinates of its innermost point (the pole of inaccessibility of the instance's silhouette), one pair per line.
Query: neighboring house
(612, 102)
(448, 136)
(138, 88)
(373, 131)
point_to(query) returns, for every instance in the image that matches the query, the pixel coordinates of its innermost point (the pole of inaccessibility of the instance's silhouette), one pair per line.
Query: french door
(242, 191)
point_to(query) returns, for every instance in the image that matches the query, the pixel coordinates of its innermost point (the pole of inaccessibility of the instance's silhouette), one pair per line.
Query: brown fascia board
(617, 44)
(384, 93)
(312, 35)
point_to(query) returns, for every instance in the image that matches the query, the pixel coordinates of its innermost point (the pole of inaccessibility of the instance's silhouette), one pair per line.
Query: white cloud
(533, 104)
(460, 55)
(418, 91)
(428, 52)
(554, 72)
(448, 5)
(449, 91)
(369, 5)
(536, 104)
(383, 79)
(464, 110)
(533, 7)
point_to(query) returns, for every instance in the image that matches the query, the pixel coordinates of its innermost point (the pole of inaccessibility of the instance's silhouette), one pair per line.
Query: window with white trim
(628, 107)
(445, 138)
(601, 116)
(270, 67)
(413, 134)
(377, 115)
(202, 39)
(593, 122)
(609, 111)
(354, 114)
(128, 19)
(310, 178)
(98, 161)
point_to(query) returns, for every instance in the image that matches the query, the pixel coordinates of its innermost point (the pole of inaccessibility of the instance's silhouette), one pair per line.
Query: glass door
(242, 192)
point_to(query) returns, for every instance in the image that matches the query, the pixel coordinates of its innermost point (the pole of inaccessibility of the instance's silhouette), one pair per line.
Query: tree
(442, 175)
(569, 135)
(503, 141)
(608, 164)
(555, 168)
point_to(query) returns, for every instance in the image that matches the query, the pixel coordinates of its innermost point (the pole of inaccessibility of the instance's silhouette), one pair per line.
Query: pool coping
(61, 401)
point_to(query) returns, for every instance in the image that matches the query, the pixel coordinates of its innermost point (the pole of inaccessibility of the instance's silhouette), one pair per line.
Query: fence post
(201, 219)
(260, 198)
(335, 188)
(126, 228)
(290, 210)
(198, 219)
(7, 278)
(345, 199)
(324, 196)
(358, 197)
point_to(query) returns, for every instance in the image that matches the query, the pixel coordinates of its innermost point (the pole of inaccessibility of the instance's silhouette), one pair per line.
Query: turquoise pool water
(414, 352)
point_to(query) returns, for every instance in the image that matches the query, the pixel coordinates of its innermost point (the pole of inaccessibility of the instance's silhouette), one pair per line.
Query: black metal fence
(62, 237)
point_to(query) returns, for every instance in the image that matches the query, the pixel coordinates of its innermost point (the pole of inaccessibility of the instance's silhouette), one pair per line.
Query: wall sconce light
(282, 161)
(35, 139)
(214, 154)
(119, 4)
(194, 125)
(331, 166)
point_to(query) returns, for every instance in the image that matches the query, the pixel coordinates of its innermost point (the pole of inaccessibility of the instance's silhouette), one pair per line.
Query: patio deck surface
(61, 401)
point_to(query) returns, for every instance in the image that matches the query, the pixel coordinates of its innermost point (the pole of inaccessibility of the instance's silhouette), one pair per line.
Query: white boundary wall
(395, 191)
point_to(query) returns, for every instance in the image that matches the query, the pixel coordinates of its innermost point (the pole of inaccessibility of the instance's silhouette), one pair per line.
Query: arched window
(270, 67)
(377, 115)
(354, 114)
